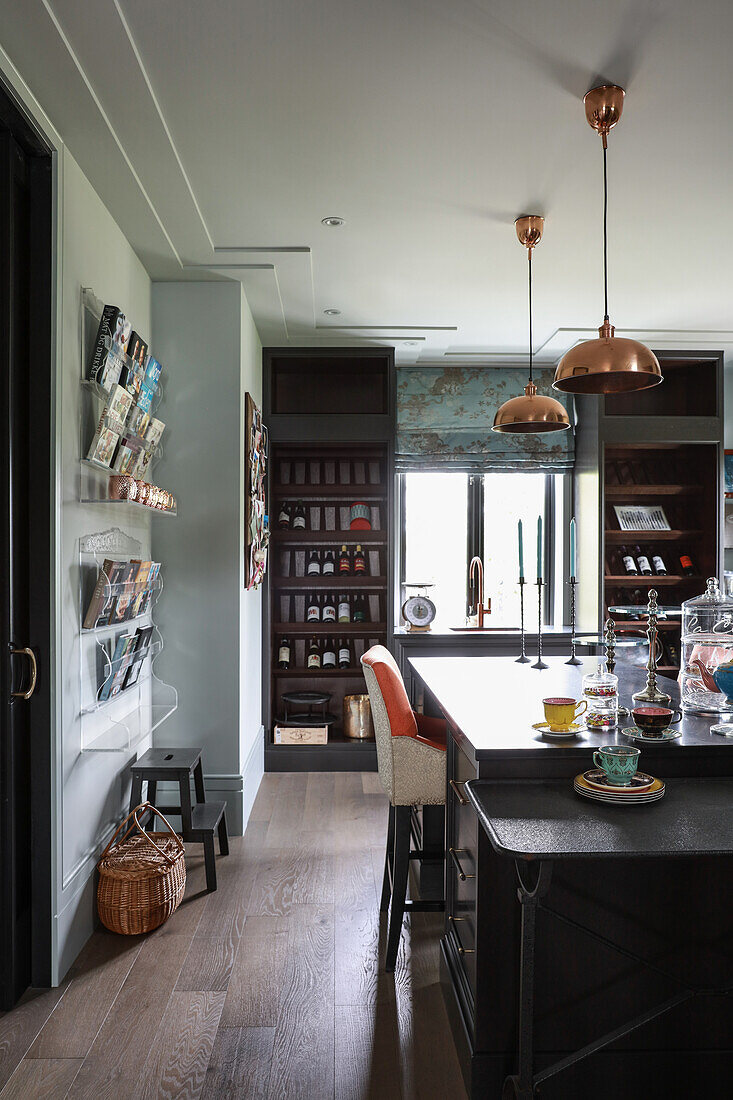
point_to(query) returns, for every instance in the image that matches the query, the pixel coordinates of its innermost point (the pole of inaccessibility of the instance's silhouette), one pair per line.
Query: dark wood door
(25, 567)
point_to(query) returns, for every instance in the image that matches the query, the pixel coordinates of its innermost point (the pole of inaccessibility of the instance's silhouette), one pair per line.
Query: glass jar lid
(601, 681)
(711, 612)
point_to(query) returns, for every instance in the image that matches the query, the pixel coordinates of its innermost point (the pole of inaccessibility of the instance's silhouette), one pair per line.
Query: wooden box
(300, 735)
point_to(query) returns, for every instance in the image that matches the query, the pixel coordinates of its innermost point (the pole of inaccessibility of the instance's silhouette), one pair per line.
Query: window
(435, 541)
(449, 517)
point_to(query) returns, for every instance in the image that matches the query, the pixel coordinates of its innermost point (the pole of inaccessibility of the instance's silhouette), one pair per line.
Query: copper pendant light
(534, 412)
(611, 364)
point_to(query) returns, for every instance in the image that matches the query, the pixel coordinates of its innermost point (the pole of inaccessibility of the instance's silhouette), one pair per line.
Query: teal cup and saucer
(618, 763)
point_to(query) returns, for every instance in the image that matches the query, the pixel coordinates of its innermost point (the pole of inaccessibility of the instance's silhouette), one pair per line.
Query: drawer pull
(462, 800)
(461, 949)
(456, 863)
(465, 950)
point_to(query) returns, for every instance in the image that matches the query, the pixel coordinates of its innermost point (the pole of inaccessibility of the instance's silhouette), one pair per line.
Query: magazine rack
(119, 722)
(94, 476)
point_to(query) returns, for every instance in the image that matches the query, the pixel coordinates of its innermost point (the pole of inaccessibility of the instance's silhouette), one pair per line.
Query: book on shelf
(100, 595)
(153, 371)
(127, 597)
(146, 595)
(115, 666)
(109, 607)
(137, 349)
(142, 579)
(138, 655)
(140, 469)
(115, 574)
(110, 345)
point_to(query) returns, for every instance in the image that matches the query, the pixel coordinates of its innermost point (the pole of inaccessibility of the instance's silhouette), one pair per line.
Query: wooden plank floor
(270, 988)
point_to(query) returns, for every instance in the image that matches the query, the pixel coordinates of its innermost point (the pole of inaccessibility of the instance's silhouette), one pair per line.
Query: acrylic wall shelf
(118, 723)
(94, 477)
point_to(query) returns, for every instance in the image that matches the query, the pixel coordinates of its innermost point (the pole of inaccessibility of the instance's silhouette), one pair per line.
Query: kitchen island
(677, 914)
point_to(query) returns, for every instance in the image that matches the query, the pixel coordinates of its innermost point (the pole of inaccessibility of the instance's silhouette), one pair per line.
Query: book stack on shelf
(660, 532)
(118, 644)
(122, 379)
(329, 583)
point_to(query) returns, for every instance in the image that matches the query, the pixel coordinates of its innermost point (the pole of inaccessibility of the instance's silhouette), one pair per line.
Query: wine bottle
(314, 563)
(643, 561)
(313, 614)
(329, 654)
(359, 561)
(360, 609)
(284, 516)
(686, 565)
(283, 653)
(628, 562)
(344, 560)
(329, 563)
(314, 654)
(328, 614)
(659, 567)
(344, 609)
(344, 653)
(298, 523)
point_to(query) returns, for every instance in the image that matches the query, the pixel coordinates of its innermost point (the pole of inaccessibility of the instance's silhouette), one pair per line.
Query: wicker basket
(141, 877)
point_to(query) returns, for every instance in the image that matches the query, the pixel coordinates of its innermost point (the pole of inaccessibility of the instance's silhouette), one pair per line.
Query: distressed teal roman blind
(444, 418)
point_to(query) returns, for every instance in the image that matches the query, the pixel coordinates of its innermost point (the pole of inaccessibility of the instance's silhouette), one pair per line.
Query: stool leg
(136, 794)
(223, 838)
(184, 786)
(210, 861)
(198, 782)
(399, 883)
(152, 790)
(388, 862)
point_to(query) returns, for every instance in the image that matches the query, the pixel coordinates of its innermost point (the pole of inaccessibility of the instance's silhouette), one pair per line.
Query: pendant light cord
(529, 257)
(605, 232)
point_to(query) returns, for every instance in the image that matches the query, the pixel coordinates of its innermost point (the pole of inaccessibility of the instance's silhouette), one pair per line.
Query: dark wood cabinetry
(322, 463)
(660, 448)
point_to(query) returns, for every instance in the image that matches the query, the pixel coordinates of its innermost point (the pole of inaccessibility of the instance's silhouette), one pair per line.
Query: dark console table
(675, 913)
(539, 824)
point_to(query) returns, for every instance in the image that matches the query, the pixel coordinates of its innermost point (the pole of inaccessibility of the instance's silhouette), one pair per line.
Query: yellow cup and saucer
(561, 715)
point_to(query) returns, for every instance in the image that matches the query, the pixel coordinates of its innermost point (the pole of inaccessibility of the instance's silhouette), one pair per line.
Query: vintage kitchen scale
(418, 611)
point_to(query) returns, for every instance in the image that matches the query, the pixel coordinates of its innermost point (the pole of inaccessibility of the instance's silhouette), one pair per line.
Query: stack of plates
(594, 785)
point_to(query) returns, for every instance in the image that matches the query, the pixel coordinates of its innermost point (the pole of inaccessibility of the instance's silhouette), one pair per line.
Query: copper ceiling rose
(533, 412)
(611, 364)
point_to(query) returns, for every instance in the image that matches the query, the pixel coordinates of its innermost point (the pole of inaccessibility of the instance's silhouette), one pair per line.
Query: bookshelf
(324, 458)
(117, 723)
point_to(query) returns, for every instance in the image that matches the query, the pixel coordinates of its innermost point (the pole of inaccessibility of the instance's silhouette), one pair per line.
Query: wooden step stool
(199, 821)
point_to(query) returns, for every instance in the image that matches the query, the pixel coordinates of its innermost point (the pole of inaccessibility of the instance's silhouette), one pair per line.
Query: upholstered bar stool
(411, 762)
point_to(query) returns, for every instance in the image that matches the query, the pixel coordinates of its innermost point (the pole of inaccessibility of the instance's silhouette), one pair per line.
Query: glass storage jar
(600, 689)
(706, 670)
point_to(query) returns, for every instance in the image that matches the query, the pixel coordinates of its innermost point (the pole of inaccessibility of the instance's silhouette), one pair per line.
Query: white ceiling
(428, 125)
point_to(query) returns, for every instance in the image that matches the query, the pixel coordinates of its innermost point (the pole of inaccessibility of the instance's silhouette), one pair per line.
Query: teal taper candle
(572, 548)
(521, 549)
(539, 548)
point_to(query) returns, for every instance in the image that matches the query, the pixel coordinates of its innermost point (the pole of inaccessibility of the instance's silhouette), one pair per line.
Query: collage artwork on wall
(257, 533)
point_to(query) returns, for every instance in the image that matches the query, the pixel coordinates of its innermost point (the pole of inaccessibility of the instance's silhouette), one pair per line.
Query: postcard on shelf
(137, 422)
(103, 445)
(141, 466)
(153, 371)
(127, 456)
(141, 581)
(641, 517)
(300, 735)
(145, 398)
(146, 596)
(154, 432)
(118, 406)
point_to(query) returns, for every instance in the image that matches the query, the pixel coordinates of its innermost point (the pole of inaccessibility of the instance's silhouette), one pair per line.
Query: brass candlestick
(522, 659)
(651, 693)
(539, 663)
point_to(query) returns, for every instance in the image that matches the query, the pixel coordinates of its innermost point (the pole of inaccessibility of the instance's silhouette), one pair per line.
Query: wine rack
(330, 413)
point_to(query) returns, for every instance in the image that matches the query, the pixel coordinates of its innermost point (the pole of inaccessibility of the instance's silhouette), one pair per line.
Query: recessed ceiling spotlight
(332, 312)
(332, 221)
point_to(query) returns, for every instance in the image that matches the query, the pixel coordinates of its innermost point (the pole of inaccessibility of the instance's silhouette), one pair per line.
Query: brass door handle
(453, 852)
(34, 674)
(458, 793)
